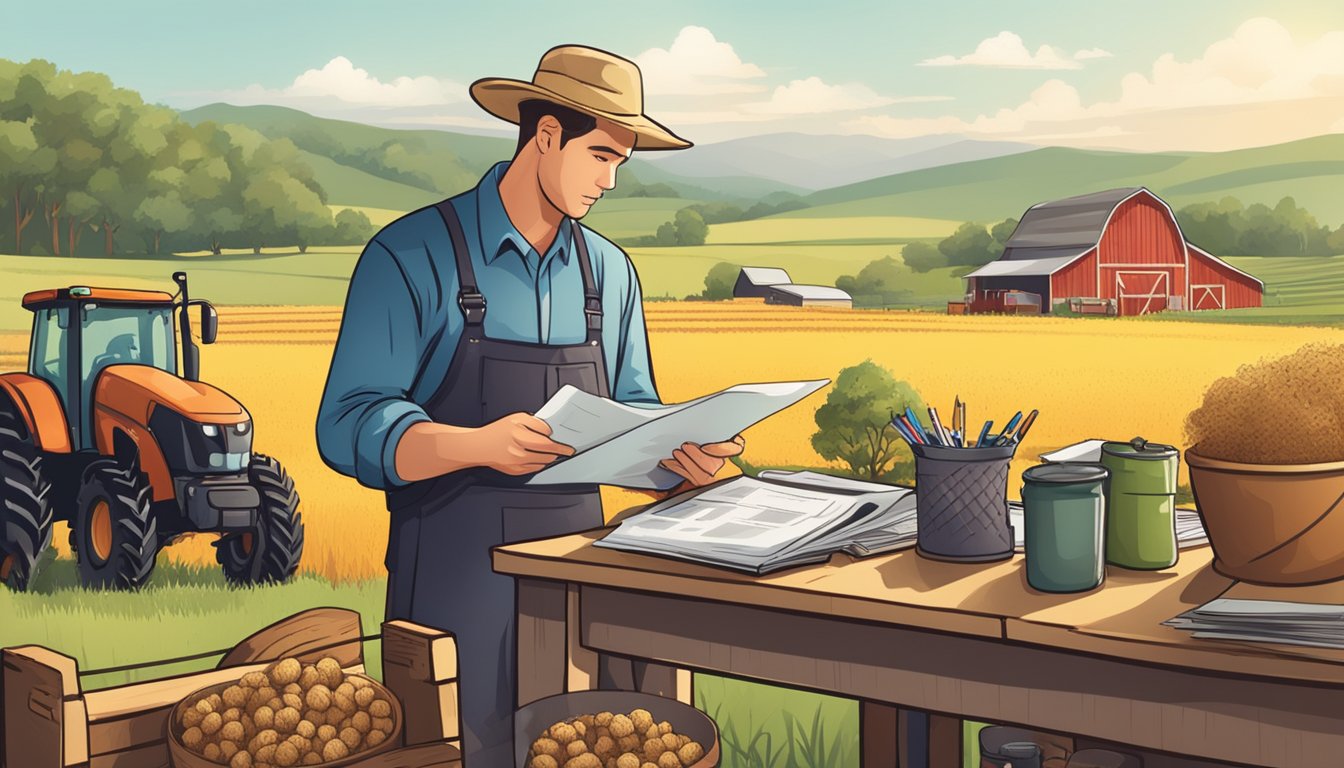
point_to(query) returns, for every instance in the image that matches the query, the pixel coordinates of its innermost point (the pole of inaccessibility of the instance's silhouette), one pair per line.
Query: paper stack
(1266, 621)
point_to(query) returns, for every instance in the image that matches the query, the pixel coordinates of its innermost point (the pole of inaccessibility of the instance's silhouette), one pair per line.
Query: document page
(621, 444)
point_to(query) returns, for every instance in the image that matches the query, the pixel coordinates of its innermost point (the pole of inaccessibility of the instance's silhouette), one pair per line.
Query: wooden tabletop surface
(992, 600)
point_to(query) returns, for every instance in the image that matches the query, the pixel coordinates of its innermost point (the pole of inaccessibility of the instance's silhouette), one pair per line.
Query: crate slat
(39, 683)
(304, 636)
(429, 654)
(434, 755)
(420, 668)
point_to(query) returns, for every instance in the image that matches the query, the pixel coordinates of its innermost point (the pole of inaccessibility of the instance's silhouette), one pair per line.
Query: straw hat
(587, 79)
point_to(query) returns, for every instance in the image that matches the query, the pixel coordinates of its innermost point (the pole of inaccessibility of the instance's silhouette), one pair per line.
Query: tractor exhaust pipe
(191, 354)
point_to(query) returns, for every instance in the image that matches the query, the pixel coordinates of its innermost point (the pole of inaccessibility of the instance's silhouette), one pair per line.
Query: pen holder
(962, 503)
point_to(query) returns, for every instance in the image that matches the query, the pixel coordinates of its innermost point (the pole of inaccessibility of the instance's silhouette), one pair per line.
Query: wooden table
(905, 634)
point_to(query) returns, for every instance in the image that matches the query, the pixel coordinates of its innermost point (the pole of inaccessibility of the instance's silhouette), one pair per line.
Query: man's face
(575, 176)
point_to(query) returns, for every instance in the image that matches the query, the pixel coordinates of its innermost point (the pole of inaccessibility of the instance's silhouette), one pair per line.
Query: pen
(1006, 436)
(938, 427)
(957, 426)
(900, 428)
(917, 433)
(964, 427)
(1026, 425)
(914, 422)
(984, 432)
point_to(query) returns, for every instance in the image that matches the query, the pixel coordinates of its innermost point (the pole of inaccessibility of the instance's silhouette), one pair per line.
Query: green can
(1141, 504)
(1063, 506)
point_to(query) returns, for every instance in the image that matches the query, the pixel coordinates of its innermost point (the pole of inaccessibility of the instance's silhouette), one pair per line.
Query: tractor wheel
(271, 552)
(25, 514)
(115, 535)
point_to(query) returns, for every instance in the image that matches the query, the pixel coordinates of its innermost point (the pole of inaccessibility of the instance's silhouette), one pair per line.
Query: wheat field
(1111, 378)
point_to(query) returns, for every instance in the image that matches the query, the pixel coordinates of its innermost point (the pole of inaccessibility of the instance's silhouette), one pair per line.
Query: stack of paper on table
(1266, 621)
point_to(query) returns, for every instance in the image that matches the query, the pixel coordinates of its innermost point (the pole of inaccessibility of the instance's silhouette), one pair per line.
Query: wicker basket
(530, 720)
(181, 757)
(1271, 524)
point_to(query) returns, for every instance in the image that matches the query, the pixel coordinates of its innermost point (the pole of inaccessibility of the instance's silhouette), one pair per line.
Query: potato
(192, 738)
(326, 732)
(621, 726)
(287, 719)
(653, 749)
(284, 672)
(235, 696)
(364, 697)
(604, 747)
(192, 717)
(227, 749)
(346, 688)
(381, 708)
(264, 717)
(293, 688)
(361, 722)
(359, 681)
(292, 700)
(264, 738)
(334, 750)
(265, 754)
(664, 728)
(603, 718)
(232, 731)
(628, 760)
(312, 758)
(286, 755)
(629, 743)
(383, 724)
(241, 760)
(253, 680)
(670, 742)
(319, 697)
(576, 747)
(669, 760)
(329, 672)
(233, 715)
(309, 677)
(690, 753)
(648, 765)
(335, 717)
(344, 703)
(586, 760)
(563, 733)
(642, 720)
(216, 702)
(549, 747)
(351, 737)
(204, 707)
(374, 738)
(211, 753)
(543, 761)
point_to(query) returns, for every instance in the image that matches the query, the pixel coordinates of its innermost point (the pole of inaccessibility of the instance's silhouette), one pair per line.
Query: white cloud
(341, 83)
(1007, 50)
(812, 95)
(1092, 53)
(1257, 86)
(697, 64)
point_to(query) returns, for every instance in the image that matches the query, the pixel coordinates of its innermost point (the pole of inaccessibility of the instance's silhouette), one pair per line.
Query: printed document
(622, 443)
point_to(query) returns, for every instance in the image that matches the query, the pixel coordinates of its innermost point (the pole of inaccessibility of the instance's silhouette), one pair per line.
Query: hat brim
(501, 97)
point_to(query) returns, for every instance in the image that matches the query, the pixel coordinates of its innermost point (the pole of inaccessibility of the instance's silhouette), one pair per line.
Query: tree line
(79, 155)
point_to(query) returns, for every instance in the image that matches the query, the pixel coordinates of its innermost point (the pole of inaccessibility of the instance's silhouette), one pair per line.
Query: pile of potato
(605, 740)
(290, 714)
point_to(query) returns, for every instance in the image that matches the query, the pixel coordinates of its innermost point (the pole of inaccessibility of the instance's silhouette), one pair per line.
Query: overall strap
(592, 299)
(469, 298)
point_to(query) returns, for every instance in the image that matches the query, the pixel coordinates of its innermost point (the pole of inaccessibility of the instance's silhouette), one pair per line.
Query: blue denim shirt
(401, 314)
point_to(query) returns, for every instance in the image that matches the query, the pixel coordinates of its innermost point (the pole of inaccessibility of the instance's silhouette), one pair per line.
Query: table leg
(944, 741)
(581, 664)
(662, 680)
(879, 740)
(542, 639)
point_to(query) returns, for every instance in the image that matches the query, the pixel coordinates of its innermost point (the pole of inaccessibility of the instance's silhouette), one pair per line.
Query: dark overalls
(438, 557)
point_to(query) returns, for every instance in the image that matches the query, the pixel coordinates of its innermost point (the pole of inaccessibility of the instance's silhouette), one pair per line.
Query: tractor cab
(79, 331)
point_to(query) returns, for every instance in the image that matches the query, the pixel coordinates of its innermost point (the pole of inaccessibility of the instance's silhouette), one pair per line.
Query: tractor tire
(115, 535)
(25, 511)
(269, 554)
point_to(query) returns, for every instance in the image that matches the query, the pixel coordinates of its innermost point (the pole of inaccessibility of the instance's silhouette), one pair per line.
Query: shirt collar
(497, 233)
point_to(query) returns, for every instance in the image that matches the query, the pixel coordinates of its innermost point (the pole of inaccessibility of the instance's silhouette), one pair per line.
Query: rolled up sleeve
(634, 370)
(366, 406)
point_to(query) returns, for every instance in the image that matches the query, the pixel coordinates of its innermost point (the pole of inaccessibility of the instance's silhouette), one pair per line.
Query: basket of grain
(1267, 468)
(289, 714)
(613, 729)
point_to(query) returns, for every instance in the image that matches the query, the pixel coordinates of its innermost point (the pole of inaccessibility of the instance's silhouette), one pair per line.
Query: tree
(970, 245)
(854, 424)
(352, 227)
(720, 280)
(922, 257)
(883, 279)
(691, 229)
(163, 213)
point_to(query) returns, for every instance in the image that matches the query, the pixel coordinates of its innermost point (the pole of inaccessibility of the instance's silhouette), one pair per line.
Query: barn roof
(1211, 257)
(764, 276)
(815, 292)
(1026, 267)
(1074, 222)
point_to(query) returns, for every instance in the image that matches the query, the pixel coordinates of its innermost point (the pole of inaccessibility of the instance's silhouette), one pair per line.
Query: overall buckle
(473, 307)
(592, 309)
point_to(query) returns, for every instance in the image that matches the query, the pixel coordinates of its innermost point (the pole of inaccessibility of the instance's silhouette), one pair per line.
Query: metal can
(1141, 505)
(1064, 509)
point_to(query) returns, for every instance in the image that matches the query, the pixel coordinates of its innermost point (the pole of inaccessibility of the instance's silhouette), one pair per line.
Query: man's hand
(517, 444)
(698, 464)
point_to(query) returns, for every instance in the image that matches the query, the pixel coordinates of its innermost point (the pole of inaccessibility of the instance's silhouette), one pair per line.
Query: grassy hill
(1310, 170)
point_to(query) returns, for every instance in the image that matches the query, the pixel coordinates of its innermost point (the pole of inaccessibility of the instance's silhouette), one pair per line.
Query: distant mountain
(365, 165)
(819, 162)
(1311, 171)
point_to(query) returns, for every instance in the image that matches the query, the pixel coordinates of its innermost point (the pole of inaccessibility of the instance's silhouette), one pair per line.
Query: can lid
(1065, 473)
(1138, 448)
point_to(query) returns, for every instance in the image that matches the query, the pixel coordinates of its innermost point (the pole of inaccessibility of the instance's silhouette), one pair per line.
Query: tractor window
(112, 335)
(46, 358)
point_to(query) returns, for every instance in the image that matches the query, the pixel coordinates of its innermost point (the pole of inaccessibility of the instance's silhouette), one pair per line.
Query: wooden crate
(47, 721)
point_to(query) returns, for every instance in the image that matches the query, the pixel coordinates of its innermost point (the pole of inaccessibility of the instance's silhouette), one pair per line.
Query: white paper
(1087, 451)
(621, 444)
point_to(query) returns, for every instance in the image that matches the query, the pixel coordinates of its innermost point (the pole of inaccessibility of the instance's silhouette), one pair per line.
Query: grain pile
(1287, 410)
(607, 740)
(291, 714)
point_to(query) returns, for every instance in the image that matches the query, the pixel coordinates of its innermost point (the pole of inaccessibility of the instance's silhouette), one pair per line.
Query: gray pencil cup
(962, 500)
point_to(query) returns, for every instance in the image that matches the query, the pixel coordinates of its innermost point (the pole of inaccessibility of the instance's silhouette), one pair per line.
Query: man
(461, 320)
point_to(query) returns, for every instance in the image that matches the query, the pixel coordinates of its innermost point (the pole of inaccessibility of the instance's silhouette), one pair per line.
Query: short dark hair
(573, 123)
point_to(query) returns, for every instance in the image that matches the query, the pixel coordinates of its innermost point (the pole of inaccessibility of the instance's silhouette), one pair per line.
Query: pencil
(1026, 425)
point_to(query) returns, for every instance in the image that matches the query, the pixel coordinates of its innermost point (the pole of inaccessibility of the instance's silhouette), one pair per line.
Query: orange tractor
(105, 431)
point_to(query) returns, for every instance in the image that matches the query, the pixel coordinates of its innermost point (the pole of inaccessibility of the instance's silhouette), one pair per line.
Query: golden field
(1110, 379)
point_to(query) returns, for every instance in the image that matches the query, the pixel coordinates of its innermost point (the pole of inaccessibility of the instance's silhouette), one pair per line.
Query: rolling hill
(1311, 171)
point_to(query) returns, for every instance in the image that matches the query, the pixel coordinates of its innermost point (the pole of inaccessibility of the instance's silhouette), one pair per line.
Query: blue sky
(1142, 75)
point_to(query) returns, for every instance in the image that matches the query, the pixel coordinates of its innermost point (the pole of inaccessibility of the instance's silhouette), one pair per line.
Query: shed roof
(764, 276)
(812, 292)
(1074, 222)
(1024, 267)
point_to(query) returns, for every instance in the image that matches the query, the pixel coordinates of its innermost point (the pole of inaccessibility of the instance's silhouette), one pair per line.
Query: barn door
(1141, 292)
(1208, 297)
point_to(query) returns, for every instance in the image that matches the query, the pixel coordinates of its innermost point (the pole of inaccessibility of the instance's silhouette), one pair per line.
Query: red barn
(1121, 247)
